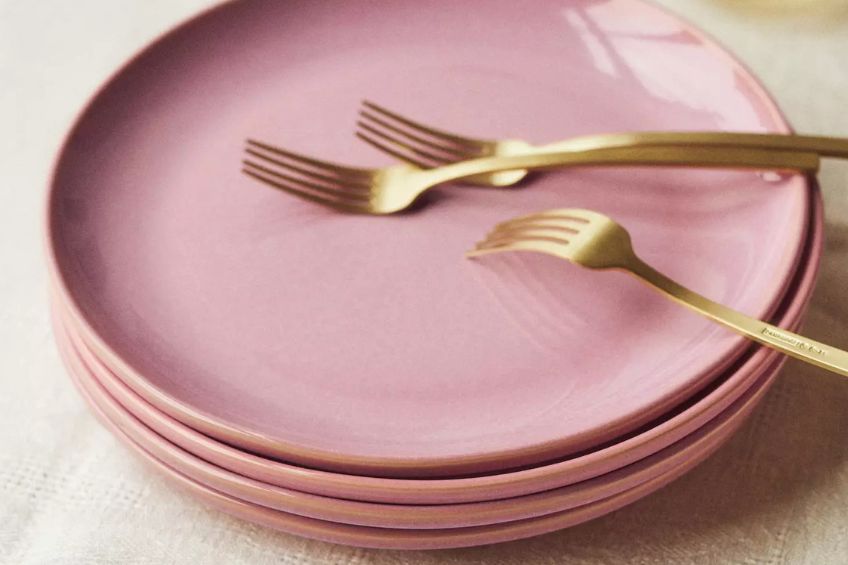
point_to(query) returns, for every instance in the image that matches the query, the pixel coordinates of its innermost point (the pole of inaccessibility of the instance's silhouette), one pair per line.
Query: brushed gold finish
(426, 147)
(394, 188)
(593, 240)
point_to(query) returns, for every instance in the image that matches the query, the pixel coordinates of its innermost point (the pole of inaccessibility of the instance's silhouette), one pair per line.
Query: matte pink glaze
(391, 515)
(536, 479)
(389, 538)
(368, 345)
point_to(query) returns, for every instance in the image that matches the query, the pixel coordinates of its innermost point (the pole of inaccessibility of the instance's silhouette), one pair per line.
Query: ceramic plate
(402, 516)
(396, 538)
(476, 489)
(368, 345)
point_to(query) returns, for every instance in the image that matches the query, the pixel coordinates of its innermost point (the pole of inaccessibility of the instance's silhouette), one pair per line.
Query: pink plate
(476, 489)
(368, 345)
(389, 515)
(704, 442)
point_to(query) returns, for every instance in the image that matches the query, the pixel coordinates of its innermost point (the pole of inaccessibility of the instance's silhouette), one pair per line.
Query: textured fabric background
(69, 493)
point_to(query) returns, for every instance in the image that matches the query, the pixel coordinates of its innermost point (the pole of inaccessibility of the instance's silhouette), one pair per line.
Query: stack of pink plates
(353, 378)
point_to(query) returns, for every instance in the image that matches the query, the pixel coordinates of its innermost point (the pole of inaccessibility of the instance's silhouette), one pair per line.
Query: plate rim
(443, 538)
(405, 516)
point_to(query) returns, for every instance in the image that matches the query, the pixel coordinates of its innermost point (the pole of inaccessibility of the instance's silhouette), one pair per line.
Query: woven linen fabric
(71, 494)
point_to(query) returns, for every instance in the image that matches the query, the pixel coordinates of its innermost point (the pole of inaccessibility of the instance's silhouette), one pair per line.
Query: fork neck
(682, 295)
(463, 169)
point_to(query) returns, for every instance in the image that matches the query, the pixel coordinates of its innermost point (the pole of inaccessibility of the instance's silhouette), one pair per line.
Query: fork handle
(821, 145)
(669, 156)
(792, 344)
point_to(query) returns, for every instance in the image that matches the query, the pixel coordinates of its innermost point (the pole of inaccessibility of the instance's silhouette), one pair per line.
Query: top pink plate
(368, 345)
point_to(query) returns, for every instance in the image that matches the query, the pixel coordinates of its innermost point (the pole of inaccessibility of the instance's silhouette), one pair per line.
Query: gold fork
(593, 240)
(426, 147)
(394, 188)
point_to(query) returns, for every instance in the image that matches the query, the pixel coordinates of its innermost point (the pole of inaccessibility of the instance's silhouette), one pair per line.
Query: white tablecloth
(69, 493)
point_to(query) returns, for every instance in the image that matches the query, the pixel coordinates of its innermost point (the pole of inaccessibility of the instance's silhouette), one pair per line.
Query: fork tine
(339, 182)
(478, 251)
(563, 214)
(526, 245)
(340, 192)
(518, 230)
(321, 165)
(325, 201)
(453, 153)
(371, 131)
(391, 151)
(477, 144)
(554, 236)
